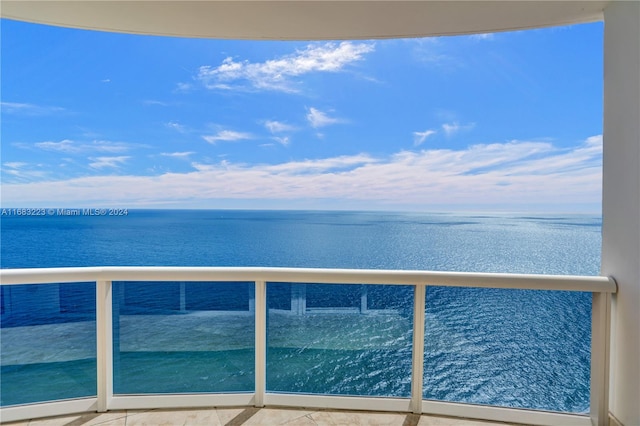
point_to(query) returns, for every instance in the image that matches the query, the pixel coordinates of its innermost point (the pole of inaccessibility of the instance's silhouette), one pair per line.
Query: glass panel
(279, 296)
(47, 342)
(172, 337)
(512, 348)
(198, 297)
(325, 296)
(337, 348)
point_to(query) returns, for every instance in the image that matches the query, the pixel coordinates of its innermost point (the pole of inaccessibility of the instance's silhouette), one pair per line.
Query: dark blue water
(501, 347)
(480, 243)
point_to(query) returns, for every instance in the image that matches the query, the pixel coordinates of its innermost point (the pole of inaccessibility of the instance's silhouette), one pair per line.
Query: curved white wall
(621, 202)
(303, 20)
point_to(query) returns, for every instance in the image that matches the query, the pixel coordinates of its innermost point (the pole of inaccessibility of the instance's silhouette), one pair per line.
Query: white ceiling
(302, 20)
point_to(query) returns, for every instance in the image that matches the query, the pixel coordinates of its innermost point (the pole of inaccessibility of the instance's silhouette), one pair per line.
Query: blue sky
(507, 121)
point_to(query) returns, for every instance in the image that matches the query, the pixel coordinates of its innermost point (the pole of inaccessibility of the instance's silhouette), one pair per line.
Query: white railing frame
(104, 344)
(417, 368)
(600, 287)
(600, 345)
(261, 343)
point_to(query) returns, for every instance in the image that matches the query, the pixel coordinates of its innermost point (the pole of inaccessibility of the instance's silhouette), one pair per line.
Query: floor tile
(452, 421)
(204, 417)
(357, 418)
(302, 421)
(228, 415)
(157, 418)
(55, 421)
(275, 416)
(114, 418)
(250, 416)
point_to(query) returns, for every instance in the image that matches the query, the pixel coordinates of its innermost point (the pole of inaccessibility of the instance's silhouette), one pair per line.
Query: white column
(621, 202)
(261, 342)
(417, 369)
(600, 335)
(104, 350)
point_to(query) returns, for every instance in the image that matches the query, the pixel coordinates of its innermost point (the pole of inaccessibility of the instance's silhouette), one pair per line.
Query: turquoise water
(501, 347)
(25, 383)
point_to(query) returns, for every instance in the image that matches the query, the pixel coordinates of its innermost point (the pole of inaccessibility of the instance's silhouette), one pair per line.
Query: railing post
(299, 299)
(417, 369)
(364, 302)
(104, 348)
(600, 336)
(183, 296)
(252, 299)
(261, 342)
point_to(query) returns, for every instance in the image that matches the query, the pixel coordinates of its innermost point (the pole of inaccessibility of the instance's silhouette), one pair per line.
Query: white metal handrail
(600, 287)
(592, 284)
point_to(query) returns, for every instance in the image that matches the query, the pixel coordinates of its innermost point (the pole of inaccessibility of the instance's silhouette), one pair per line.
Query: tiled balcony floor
(248, 416)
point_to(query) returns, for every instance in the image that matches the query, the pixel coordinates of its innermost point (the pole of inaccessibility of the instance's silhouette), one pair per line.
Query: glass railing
(183, 337)
(340, 345)
(503, 347)
(47, 342)
(508, 347)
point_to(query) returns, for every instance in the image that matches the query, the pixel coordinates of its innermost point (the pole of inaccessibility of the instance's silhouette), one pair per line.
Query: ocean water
(510, 348)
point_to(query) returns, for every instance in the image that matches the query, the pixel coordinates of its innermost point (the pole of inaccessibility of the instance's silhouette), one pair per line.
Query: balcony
(269, 345)
(252, 416)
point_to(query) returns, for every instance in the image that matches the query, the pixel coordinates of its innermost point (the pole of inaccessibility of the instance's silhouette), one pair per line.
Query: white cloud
(21, 172)
(29, 109)
(432, 52)
(102, 162)
(156, 103)
(420, 137)
(176, 126)
(278, 127)
(72, 147)
(227, 136)
(65, 145)
(177, 154)
(594, 141)
(344, 162)
(14, 164)
(183, 87)
(318, 118)
(484, 36)
(452, 128)
(512, 173)
(277, 74)
(284, 141)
